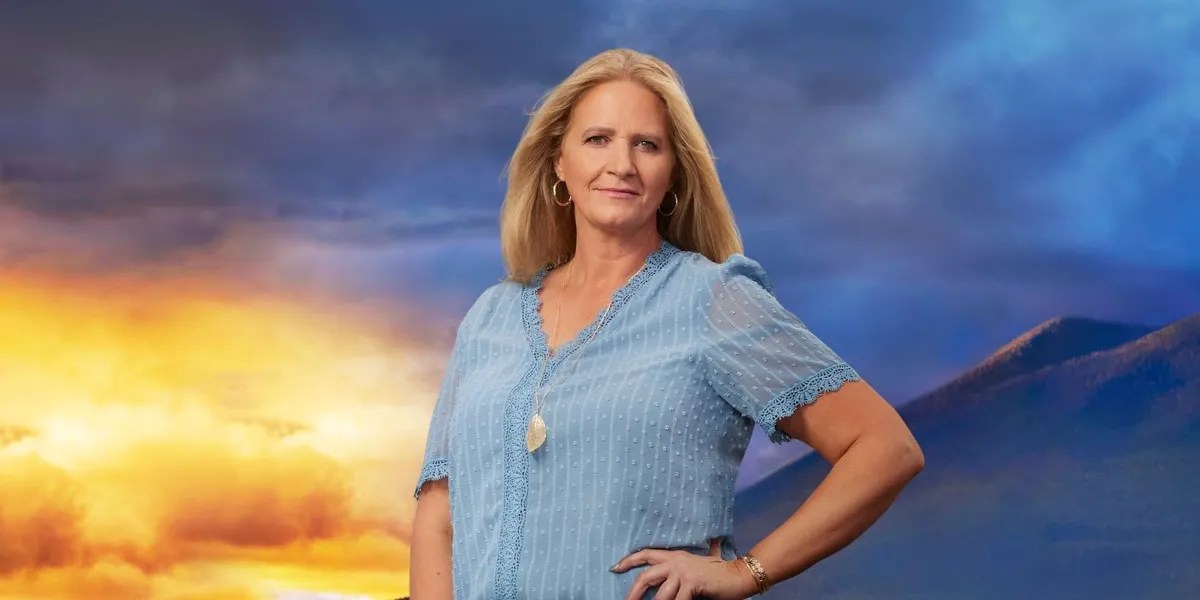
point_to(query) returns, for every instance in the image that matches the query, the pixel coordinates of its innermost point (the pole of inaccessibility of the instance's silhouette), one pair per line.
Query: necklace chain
(575, 359)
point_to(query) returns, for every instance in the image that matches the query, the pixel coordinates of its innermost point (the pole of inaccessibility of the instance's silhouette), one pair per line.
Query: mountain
(1051, 343)
(1067, 464)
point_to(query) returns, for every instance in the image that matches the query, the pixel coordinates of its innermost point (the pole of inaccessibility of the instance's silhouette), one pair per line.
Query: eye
(594, 137)
(651, 144)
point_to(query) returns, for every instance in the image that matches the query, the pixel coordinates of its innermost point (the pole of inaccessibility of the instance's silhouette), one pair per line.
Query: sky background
(235, 237)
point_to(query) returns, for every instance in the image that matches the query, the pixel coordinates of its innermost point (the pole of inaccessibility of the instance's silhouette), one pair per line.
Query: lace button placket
(518, 409)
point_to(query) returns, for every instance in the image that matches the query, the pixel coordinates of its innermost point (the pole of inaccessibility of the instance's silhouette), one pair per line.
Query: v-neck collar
(531, 304)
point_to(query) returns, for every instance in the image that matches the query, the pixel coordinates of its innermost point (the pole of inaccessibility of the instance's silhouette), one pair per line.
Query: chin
(621, 222)
(610, 208)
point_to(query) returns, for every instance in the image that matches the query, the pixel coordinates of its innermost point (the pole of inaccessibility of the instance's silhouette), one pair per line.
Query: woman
(598, 402)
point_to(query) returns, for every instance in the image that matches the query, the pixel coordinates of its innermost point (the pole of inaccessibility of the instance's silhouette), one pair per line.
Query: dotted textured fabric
(646, 429)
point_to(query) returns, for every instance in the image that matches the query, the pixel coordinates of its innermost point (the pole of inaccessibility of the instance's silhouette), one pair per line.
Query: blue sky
(922, 181)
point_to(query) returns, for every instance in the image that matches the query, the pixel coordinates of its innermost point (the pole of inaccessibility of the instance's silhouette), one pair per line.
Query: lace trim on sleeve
(435, 469)
(805, 391)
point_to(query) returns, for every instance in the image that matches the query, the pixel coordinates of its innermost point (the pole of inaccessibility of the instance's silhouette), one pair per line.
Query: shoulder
(486, 303)
(736, 270)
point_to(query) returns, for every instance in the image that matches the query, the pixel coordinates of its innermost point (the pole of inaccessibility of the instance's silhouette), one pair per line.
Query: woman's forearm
(429, 574)
(858, 489)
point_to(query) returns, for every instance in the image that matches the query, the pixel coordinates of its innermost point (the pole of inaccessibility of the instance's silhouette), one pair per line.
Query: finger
(641, 557)
(685, 593)
(652, 576)
(626, 562)
(668, 590)
(714, 547)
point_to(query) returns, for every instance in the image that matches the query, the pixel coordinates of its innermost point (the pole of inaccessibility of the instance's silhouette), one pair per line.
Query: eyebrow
(610, 131)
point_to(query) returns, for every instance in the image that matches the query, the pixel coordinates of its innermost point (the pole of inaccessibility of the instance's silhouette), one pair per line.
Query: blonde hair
(534, 231)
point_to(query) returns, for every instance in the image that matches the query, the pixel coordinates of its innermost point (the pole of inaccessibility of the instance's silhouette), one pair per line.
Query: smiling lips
(619, 192)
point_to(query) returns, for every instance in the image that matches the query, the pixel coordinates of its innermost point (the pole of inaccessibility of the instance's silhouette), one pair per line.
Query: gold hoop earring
(554, 194)
(673, 206)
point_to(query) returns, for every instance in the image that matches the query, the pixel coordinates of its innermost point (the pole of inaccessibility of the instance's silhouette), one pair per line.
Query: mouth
(619, 192)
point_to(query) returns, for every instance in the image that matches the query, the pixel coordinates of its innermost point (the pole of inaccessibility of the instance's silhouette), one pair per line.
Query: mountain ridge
(1101, 336)
(1046, 345)
(1086, 464)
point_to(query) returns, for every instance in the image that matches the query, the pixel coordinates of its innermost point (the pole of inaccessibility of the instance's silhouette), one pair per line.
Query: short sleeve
(758, 356)
(436, 461)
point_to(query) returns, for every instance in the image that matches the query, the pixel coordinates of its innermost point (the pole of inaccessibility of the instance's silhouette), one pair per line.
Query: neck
(604, 262)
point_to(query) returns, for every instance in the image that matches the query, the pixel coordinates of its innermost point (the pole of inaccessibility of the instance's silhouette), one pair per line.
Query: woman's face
(615, 158)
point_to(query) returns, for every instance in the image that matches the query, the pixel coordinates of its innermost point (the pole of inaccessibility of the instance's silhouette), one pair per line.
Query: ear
(558, 166)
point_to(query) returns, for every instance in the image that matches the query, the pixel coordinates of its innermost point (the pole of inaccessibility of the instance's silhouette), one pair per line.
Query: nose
(620, 161)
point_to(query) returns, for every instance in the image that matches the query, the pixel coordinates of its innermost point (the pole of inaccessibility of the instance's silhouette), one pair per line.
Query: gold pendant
(535, 436)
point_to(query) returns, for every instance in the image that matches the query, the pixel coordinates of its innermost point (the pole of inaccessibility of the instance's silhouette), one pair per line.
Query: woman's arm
(429, 575)
(874, 456)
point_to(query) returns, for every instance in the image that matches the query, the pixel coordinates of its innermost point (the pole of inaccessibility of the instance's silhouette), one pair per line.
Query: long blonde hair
(534, 231)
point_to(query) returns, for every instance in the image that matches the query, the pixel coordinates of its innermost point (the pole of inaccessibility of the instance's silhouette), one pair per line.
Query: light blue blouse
(646, 428)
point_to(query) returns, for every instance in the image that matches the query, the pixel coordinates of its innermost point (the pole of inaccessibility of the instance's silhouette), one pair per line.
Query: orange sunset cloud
(179, 439)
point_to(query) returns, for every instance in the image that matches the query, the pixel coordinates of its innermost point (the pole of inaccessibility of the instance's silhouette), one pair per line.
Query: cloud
(42, 524)
(166, 443)
(217, 105)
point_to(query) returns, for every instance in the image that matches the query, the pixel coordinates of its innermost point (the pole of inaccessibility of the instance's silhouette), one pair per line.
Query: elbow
(911, 456)
(899, 450)
(906, 451)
